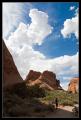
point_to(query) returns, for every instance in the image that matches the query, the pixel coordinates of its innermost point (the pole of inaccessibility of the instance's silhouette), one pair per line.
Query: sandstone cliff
(33, 75)
(46, 80)
(10, 72)
(73, 85)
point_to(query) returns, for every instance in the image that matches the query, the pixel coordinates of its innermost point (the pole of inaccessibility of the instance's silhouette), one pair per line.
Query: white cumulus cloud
(72, 7)
(11, 14)
(39, 27)
(71, 26)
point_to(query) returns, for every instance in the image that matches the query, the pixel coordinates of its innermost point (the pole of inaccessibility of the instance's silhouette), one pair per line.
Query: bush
(67, 102)
(20, 89)
(36, 91)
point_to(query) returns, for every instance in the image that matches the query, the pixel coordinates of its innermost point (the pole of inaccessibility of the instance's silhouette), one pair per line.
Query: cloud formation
(72, 8)
(71, 26)
(39, 27)
(20, 44)
(11, 15)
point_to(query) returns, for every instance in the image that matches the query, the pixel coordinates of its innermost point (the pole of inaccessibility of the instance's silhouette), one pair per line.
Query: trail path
(62, 112)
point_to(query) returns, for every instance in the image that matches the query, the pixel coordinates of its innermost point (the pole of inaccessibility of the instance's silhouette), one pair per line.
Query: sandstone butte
(74, 85)
(10, 72)
(46, 80)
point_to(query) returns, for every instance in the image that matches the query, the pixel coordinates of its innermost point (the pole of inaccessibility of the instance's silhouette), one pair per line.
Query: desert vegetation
(22, 100)
(64, 97)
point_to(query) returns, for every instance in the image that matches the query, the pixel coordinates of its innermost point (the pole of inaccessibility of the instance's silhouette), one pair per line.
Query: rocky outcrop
(10, 72)
(74, 85)
(46, 80)
(49, 78)
(33, 75)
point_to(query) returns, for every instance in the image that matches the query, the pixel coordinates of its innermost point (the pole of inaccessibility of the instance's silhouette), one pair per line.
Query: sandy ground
(62, 112)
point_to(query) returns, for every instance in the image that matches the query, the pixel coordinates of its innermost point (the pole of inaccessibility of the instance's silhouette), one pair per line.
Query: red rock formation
(74, 85)
(33, 75)
(10, 72)
(50, 79)
(45, 80)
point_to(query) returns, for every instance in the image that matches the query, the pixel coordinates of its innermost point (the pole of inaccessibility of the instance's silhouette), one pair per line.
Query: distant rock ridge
(10, 73)
(73, 86)
(46, 80)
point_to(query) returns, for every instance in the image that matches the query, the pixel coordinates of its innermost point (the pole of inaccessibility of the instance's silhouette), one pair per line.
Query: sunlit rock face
(33, 75)
(74, 85)
(46, 80)
(10, 72)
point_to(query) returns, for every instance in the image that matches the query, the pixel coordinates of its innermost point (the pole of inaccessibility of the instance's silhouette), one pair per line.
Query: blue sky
(58, 48)
(55, 45)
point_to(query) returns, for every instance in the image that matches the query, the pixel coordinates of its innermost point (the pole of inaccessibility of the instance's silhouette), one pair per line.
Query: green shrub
(20, 89)
(67, 102)
(36, 91)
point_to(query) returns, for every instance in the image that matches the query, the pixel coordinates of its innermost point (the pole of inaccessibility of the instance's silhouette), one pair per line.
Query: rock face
(45, 80)
(33, 75)
(10, 72)
(74, 85)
